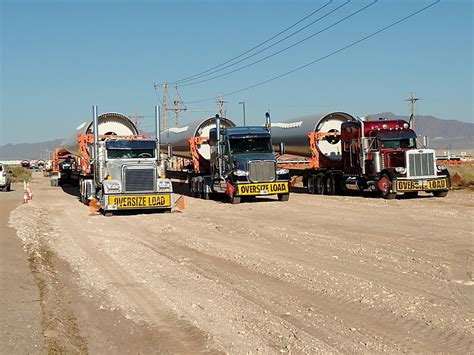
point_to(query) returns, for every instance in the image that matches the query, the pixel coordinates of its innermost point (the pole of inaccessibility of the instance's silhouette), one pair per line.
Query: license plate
(139, 201)
(422, 185)
(269, 188)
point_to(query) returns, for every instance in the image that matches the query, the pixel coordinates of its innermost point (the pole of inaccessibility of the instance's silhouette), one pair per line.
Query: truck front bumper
(429, 184)
(262, 188)
(114, 202)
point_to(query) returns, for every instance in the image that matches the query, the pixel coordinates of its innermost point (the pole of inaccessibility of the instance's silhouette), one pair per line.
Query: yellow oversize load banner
(140, 201)
(268, 188)
(422, 185)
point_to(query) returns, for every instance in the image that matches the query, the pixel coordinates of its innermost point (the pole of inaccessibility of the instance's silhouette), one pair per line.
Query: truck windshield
(130, 153)
(250, 145)
(397, 142)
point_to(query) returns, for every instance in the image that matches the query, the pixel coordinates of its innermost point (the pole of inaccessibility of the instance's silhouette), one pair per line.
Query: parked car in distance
(5, 178)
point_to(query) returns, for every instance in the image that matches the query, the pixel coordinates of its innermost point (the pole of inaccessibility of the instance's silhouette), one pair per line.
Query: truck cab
(128, 176)
(243, 162)
(383, 155)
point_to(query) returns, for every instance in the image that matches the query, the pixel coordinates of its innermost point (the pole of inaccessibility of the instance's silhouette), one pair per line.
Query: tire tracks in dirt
(406, 333)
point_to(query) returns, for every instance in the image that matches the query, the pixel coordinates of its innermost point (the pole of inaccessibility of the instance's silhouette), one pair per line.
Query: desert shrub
(462, 176)
(19, 174)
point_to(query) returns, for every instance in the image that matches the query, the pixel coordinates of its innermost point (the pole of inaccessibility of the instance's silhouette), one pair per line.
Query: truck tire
(386, 182)
(194, 187)
(440, 193)
(9, 187)
(204, 192)
(329, 185)
(319, 184)
(283, 197)
(310, 184)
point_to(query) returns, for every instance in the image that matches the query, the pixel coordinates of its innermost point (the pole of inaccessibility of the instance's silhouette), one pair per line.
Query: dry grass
(19, 174)
(462, 176)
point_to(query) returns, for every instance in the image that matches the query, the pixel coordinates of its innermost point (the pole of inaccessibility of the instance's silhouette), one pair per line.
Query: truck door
(351, 149)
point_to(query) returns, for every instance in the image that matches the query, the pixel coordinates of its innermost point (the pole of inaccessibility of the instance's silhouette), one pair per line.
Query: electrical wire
(286, 48)
(268, 47)
(352, 44)
(255, 47)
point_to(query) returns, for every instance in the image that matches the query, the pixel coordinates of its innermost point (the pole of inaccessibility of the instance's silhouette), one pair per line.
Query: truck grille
(421, 163)
(261, 170)
(139, 179)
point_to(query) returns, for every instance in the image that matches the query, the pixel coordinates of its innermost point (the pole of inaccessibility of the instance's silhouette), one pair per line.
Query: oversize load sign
(140, 201)
(269, 188)
(422, 185)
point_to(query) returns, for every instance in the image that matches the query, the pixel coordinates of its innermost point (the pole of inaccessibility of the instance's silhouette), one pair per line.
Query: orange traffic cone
(30, 193)
(25, 197)
(180, 204)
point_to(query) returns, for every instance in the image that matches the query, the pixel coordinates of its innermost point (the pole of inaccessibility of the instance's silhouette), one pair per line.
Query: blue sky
(60, 57)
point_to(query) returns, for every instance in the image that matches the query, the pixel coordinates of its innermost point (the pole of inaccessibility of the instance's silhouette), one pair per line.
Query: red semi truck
(356, 154)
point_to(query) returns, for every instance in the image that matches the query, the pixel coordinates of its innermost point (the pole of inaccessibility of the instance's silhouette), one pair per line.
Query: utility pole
(412, 99)
(176, 111)
(137, 119)
(221, 103)
(165, 104)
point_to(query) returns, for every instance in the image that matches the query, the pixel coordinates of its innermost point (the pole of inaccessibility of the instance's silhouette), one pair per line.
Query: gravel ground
(314, 274)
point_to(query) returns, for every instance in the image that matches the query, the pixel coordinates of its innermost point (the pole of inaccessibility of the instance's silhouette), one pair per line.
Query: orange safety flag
(94, 205)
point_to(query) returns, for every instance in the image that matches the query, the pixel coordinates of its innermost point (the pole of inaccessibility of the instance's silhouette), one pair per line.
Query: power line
(255, 47)
(352, 44)
(267, 47)
(284, 49)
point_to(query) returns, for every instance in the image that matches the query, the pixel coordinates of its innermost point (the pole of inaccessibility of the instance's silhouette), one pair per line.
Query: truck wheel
(235, 200)
(385, 184)
(310, 185)
(319, 184)
(329, 185)
(9, 187)
(440, 193)
(283, 197)
(194, 188)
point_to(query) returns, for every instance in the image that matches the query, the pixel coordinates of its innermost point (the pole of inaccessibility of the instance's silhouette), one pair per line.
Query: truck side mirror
(282, 148)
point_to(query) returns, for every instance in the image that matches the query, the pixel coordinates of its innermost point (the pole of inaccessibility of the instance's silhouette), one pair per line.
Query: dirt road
(314, 274)
(20, 311)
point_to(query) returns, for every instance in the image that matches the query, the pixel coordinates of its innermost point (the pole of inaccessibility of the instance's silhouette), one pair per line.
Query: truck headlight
(164, 185)
(282, 171)
(241, 173)
(112, 186)
(401, 170)
(441, 167)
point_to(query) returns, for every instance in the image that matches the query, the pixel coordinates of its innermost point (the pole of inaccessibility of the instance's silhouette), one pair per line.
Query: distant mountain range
(29, 151)
(443, 134)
